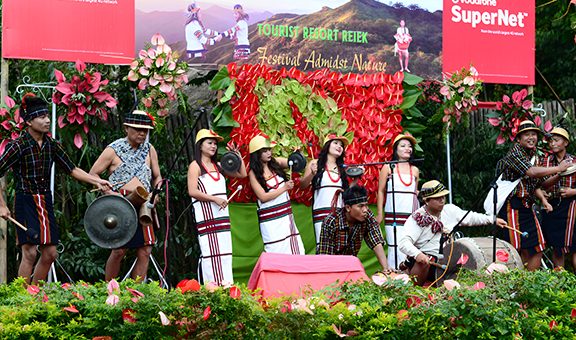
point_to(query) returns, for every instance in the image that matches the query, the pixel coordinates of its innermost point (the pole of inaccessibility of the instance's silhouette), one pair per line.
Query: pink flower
(135, 292)
(159, 62)
(494, 121)
(157, 39)
(78, 141)
(527, 104)
(479, 285)
(506, 99)
(144, 71)
(33, 290)
(66, 286)
(164, 319)
(112, 299)
(132, 76)
(379, 279)
(80, 66)
(142, 84)
(502, 255)
(548, 126)
(45, 298)
(463, 259)
(113, 286)
(496, 267)
(78, 296)
(451, 284)
(71, 309)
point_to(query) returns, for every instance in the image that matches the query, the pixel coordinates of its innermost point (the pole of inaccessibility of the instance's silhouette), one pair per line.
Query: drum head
(479, 252)
(230, 162)
(110, 221)
(571, 169)
(354, 172)
(298, 161)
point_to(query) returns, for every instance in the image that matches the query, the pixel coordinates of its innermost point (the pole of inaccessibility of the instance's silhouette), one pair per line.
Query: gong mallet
(290, 163)
(523, 233)
(437, 265)
(18, 224)
(238, 188)
(96, 189)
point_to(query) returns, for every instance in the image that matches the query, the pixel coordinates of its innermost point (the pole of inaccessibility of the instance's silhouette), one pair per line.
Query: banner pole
(3, 224)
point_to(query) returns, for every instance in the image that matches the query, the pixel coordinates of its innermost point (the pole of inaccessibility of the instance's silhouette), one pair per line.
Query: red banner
(96, 31)
(496, 36)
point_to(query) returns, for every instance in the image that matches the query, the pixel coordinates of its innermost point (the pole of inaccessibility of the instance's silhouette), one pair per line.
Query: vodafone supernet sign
(497, 37)
(491, 16)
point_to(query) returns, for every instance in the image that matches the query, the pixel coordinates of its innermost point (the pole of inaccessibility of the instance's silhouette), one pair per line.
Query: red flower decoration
(235, 292)
(207, 313)
(413, 301)
(553, 324)
(129, 315)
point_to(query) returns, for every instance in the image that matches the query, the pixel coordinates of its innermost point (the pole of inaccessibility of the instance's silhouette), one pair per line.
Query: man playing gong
(131, 162)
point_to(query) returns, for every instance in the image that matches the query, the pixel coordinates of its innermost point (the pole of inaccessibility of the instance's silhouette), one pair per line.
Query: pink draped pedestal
(282, 274)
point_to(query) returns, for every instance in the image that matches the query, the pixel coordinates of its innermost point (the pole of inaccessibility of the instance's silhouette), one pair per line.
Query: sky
(276, 6)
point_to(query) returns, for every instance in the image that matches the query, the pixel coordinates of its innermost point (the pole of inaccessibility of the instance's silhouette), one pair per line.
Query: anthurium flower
(71, 309)
(496, 267)
(479, 285)
(112, 299)
(207, 313)
(113, 286)
(78, 296)
(463, 259)
(33, 290)
(235, 292)
(164, 319)
(573, 312)
(134, 292)
(502, 255)
(45, 297)
(129, 315)
(553, 324)
(451, 284)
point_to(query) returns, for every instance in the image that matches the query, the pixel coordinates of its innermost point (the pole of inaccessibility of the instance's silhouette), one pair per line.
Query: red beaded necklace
(330, 176)
(276, 180)
(217, 178)
(400, 177)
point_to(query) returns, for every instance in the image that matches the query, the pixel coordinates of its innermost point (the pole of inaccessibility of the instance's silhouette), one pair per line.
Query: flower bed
(512, 305)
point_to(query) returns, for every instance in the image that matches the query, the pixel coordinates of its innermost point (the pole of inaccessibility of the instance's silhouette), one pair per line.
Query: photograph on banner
(93, 31)
(496, 36)
(344, 35)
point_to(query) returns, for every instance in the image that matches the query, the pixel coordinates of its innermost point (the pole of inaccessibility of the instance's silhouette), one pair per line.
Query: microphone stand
(392, 165)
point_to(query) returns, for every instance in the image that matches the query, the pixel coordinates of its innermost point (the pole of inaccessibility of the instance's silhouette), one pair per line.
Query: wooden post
(3, 225)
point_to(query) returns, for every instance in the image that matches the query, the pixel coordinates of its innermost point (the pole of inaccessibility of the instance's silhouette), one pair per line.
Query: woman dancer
(271, 184)
(207, 187)
(327, 176)
(401, 201)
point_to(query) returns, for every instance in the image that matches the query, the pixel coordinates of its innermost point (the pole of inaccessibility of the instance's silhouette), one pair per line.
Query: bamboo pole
(3, 224)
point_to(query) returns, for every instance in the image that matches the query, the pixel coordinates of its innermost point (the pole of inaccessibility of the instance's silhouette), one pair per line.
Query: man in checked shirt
(520, 162)
(344, 228)
(30, 157)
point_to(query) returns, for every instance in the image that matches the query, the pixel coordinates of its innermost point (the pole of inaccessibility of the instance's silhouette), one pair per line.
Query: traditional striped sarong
(403, 201)
(558, 225)
(524, 219)
(277, 226)
(214, 237)
(36, 212)
(322, 203)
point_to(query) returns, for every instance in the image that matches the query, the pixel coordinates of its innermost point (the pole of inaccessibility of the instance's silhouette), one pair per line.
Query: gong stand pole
(159, 188)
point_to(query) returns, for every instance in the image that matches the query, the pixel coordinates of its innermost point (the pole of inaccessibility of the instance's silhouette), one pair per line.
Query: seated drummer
(344, 228)
(420, 239)
(131, 162)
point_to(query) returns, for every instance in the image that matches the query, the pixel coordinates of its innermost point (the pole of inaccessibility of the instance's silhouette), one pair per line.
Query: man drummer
(344, 228)
(520, 162)
(560, 205)
(30, 157)
(132, 162)
(422, 231)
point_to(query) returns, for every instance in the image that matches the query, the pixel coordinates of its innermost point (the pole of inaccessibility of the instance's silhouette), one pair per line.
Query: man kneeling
(343, 229)
(422, 231)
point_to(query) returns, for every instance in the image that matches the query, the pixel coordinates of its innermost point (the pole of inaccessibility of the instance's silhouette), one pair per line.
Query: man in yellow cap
(131, 162)
(422, 231)
(519, 163)
(560, 205)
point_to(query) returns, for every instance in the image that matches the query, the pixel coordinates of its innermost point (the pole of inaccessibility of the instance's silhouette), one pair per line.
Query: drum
(479, 251)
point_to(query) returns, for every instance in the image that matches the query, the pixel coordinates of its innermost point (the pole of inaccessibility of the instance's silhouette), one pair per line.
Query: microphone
(525, 234)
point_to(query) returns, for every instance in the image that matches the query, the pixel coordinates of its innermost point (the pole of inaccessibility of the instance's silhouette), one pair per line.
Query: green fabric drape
(247, 242)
